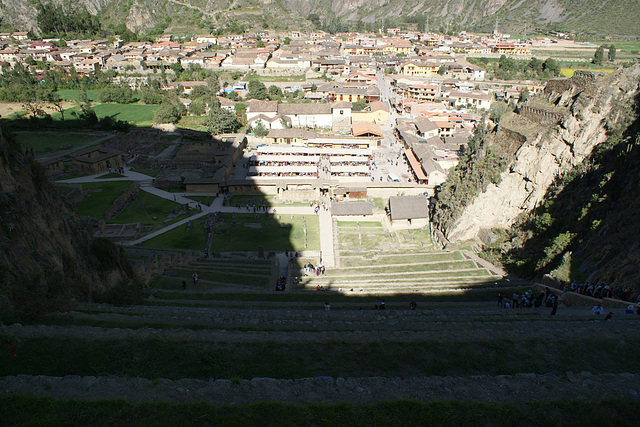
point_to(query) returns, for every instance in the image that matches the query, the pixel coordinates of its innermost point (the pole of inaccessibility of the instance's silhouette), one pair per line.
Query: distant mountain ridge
(598, 18)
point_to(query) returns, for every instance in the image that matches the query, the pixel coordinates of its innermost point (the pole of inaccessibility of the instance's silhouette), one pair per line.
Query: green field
(100, 200)
(179, 238)
(50, 142)
(241, 236)
(138, 114)
(76, 94)
(568, 72)
(244, 232)
(149, 209)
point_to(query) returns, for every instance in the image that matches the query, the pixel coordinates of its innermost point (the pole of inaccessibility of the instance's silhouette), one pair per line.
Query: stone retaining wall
(122, 201)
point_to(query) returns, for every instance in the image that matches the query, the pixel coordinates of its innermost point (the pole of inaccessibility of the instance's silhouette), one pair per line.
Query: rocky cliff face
(46, 252)
(558, 131)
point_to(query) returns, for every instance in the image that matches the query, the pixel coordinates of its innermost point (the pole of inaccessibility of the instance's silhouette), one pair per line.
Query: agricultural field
(52, 142)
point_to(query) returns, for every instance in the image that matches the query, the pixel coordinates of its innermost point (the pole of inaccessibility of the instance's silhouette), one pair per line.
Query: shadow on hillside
(588, 227)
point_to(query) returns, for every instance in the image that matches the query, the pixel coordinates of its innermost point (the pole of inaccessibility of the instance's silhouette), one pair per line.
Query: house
(94, 160)
(475, 99)
(511, 49)
(86, 66)
(205, 38)
(408, 211)
(366, 129)
(376, 112)
(426, 128)
(420, 68)
(351, 211)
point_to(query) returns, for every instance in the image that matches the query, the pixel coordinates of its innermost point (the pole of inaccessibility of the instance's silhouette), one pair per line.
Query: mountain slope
(567, 200)
(47, 255)
(614, 17)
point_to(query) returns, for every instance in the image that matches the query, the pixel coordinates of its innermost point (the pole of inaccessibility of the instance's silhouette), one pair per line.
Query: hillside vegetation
(589, 17)
(588, 226)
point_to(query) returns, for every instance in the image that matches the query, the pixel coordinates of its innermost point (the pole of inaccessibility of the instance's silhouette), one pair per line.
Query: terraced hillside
(387, 272)
(218, 350)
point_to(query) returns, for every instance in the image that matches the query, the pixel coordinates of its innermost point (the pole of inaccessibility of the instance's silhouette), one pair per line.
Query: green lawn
(401, 259)
(192, 122)
(99, 201)
(50, 142)
(137, 114)
(76, 94)
(568, 72)
(149, 209)
(233, 235)
(178, 238)
(271, 234)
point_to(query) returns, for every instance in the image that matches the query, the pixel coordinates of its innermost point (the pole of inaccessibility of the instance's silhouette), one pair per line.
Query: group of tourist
(281, 284)
(317, 270)
(527, 300)
(598, 290)
(317, 206)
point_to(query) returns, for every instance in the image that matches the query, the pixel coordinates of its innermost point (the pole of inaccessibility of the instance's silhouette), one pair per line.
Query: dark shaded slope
(47, 255)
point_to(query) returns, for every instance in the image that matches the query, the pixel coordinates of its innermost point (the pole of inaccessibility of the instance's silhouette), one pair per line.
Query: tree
(150, 96)
(198, 107)
(170, 111)
(177, 69)
(257, 90)
(612, 53)
(260, 130)
(598, 56)
(286, 41)
(274, 92)
(117, 94)
(199, 92)
(214, 84)
(442, 69)
(551, 66)
(524, 95)
(220, 121)
(359, 105)
(56, 103)
(498, 110)
(89, 114)
(315, 20)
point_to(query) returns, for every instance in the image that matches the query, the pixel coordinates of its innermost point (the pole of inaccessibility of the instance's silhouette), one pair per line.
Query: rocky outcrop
(46, 251)
(548, 150)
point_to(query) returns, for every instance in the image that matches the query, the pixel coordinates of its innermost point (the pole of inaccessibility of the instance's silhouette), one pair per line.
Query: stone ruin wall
(540, 115)
(122, 201)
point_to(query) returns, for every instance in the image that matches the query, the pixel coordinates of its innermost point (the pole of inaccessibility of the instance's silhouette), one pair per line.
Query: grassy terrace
(20, 410)
(174, 359)
(244, 232)
(150, 210)
(47, 143)
(102, 195)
